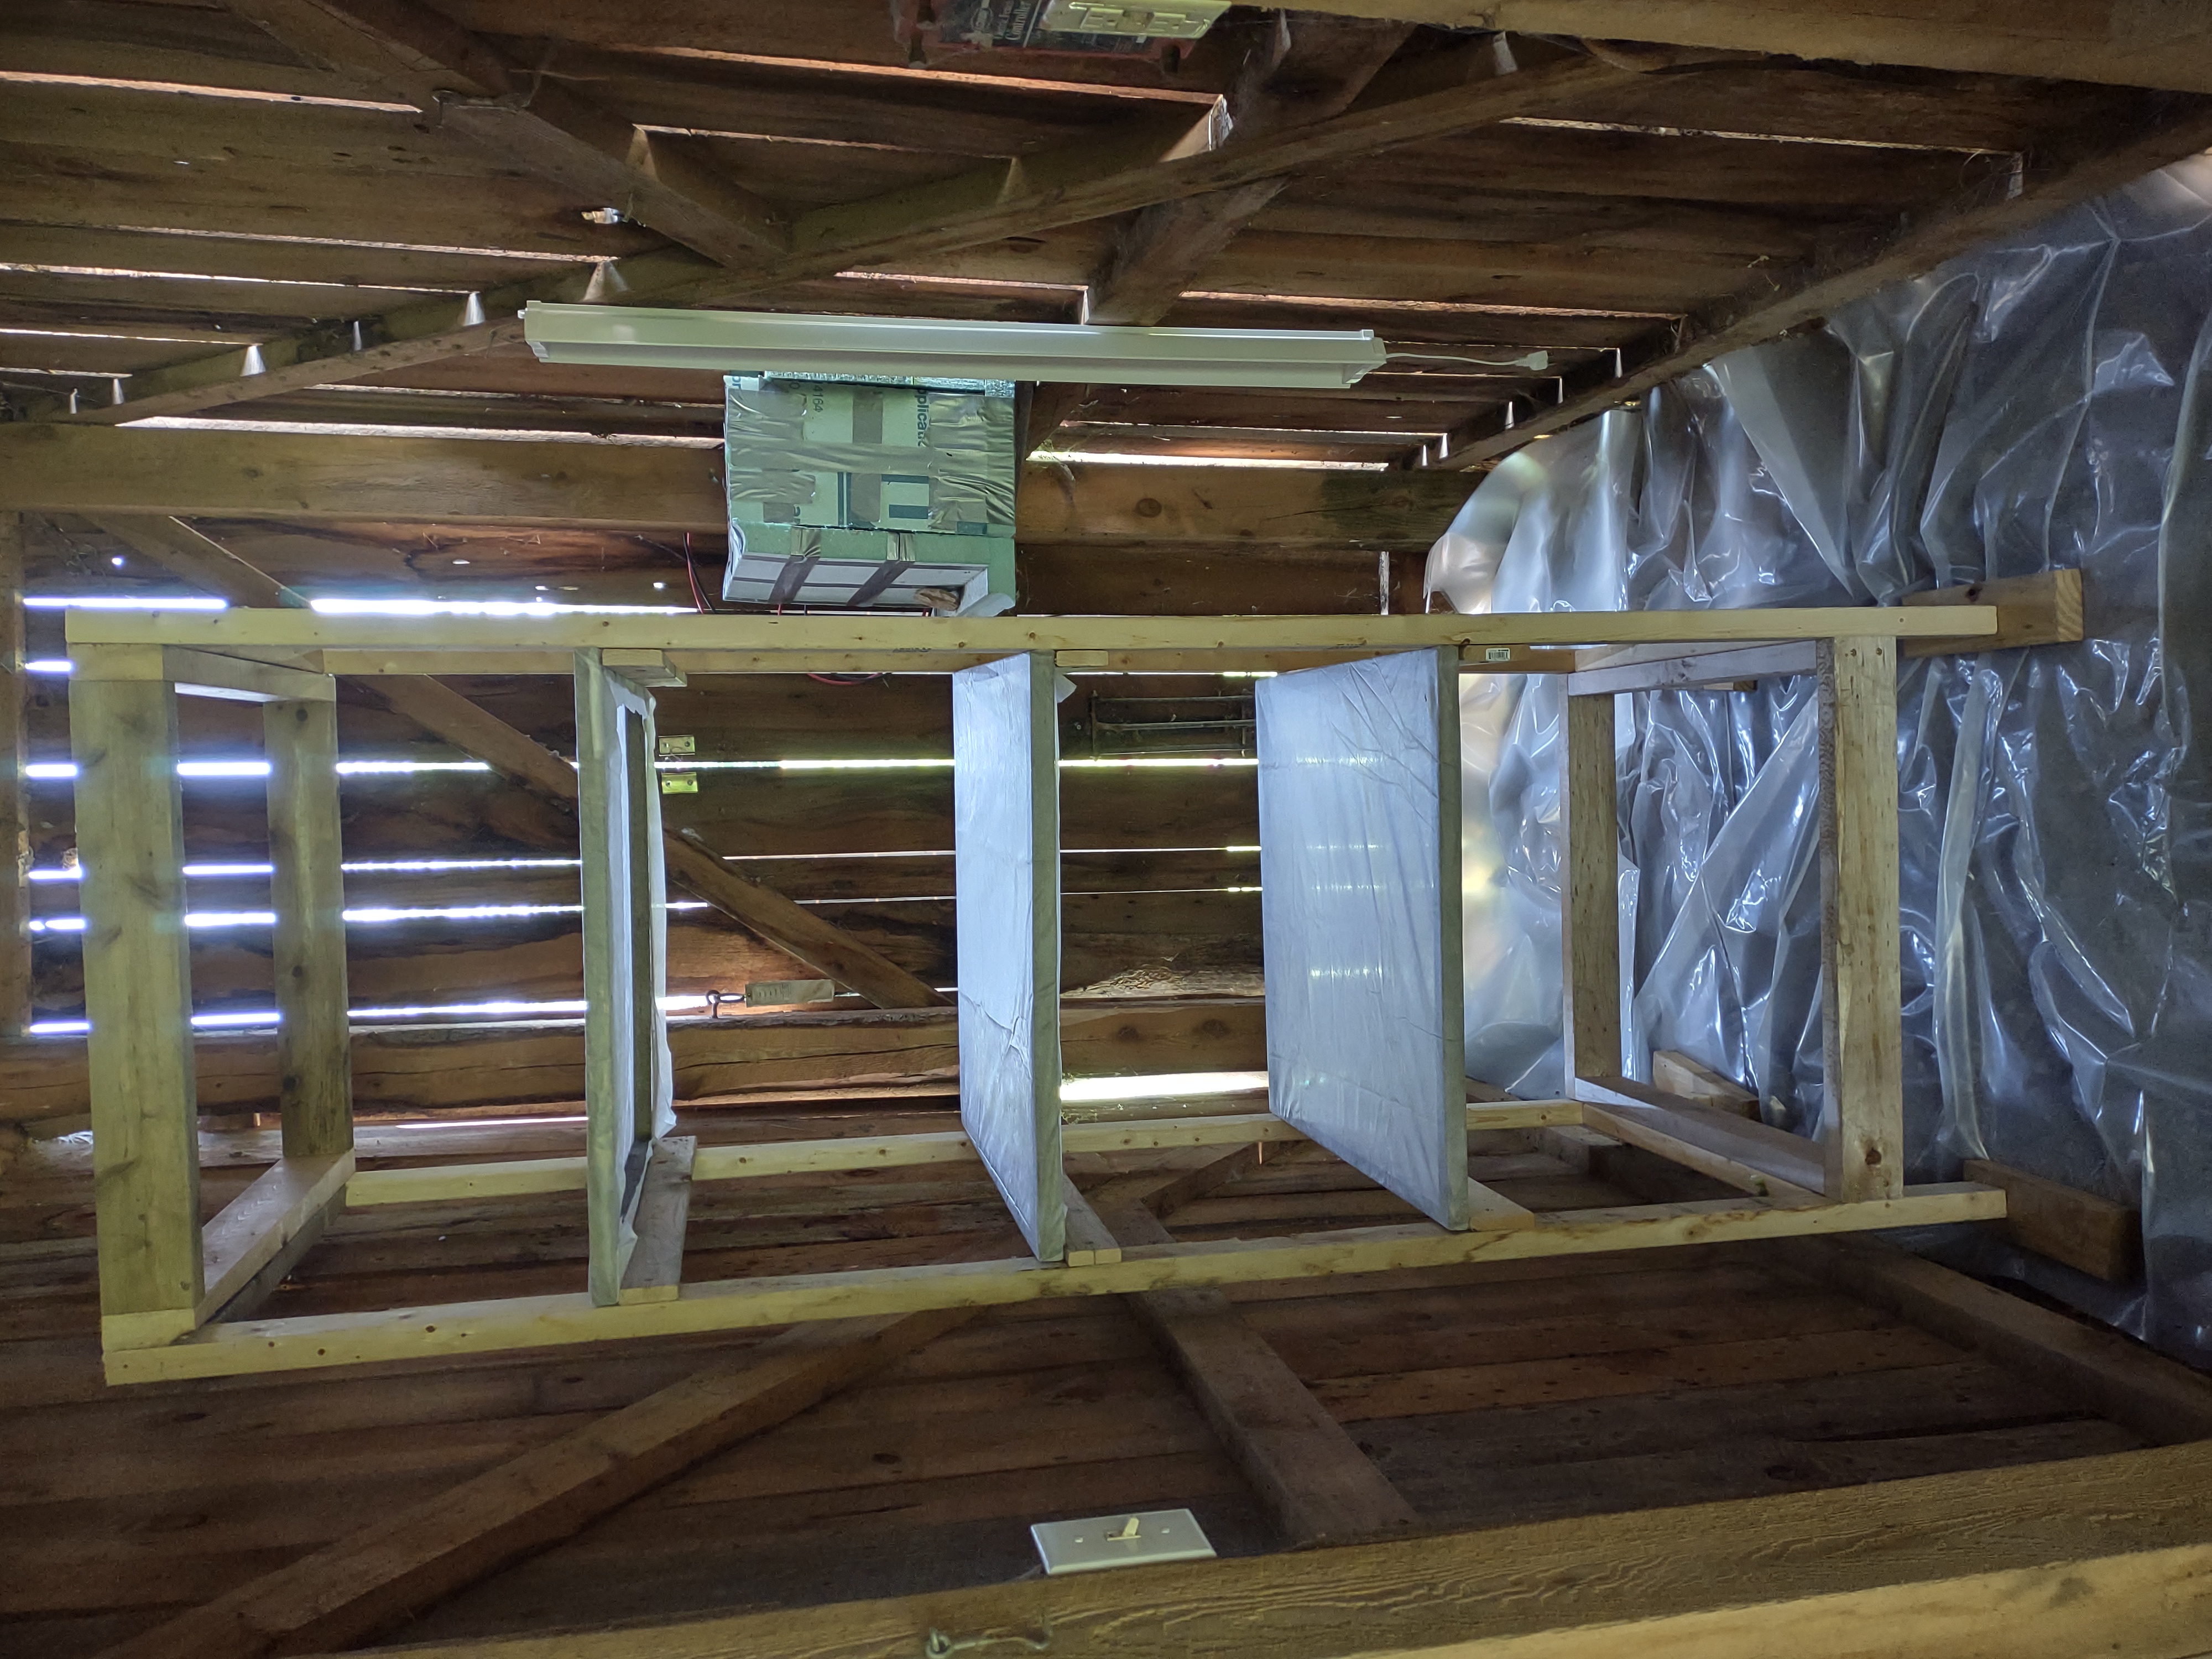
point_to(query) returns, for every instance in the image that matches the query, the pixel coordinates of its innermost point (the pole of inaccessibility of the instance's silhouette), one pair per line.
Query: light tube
(771, 342)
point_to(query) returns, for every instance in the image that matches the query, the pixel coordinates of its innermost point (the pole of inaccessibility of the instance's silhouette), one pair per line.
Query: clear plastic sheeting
(1356, 894)
(2045, 402)
(1006, 827)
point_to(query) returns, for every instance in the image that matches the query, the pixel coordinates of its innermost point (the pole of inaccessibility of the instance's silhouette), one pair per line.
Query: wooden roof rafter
(1656, 219)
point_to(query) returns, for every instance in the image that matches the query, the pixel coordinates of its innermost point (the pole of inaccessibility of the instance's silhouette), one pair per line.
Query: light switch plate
(1121, 1540)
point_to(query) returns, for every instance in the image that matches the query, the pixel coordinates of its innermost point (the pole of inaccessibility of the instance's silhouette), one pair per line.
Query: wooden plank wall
(1162, 865)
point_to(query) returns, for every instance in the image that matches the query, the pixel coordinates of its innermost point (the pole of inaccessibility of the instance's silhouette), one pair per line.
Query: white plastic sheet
(1005, 813)
(1359, 895)
(2041, 403)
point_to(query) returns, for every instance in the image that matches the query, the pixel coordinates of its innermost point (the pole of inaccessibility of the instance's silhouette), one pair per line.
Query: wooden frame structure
(165, 1281)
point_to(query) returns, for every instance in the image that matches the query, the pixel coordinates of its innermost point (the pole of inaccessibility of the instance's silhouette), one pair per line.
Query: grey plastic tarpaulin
(2043, 403)
(1357, 801)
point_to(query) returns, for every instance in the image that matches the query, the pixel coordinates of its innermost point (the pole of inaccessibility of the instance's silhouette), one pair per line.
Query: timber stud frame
(165, 1283)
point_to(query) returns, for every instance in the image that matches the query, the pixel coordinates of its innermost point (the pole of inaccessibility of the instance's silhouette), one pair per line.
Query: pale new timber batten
(236, 654)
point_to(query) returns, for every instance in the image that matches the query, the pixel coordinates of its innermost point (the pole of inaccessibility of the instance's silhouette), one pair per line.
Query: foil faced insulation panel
(867, 495)
(1005, 817)
(1359, 821)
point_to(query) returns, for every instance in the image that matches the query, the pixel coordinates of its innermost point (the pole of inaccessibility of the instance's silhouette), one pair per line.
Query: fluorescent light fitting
(771, 343)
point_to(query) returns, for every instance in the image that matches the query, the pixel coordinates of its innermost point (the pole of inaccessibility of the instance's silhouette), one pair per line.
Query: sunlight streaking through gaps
(1161, 1087)
(267, 1016)
(121, 602)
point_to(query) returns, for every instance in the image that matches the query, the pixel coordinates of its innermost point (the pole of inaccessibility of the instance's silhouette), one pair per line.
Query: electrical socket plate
(1120, 1540)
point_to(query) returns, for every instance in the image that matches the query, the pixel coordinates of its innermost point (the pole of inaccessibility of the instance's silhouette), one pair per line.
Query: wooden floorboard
(1488, 1394)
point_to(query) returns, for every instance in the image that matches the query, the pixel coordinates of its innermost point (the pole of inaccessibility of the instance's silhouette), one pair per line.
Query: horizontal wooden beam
(252, 1230)
(2085, 1230)
(2041, 609)
(2045, 1560)
(1786, 1158)
(445, 1183)
(1302, 69)
(203, 474)
(432, 1069)
(445, 713)
(406, 49)
(2068, 168)
(693, 642)
(427, 1333)
(2161, 1399)
(1146, 161)
(2119, 42)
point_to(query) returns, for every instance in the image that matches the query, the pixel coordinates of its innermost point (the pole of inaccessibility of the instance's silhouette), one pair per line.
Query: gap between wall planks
(2109, 1554)
(372, 1580)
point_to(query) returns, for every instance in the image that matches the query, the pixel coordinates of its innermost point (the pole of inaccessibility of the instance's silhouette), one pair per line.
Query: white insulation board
(1360, 904)
(1006, 816)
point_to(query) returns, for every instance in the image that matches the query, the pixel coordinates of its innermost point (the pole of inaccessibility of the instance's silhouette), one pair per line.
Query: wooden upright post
(1862, 1126)
(1589, 892)
(314, 1063)
(14, 814)
(628, 1078)
(137, 985)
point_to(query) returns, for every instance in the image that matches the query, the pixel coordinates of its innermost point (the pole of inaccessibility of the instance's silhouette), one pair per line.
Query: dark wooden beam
(2106, 1555)
(2085, 1230)
(373, 1579)
(2107, 1373)
(1304, 68)
(15, 806)
(2074, 166)
(203, 474)
(1315, 1483)
(1121, 171)
(468, 85)
(2121, 42)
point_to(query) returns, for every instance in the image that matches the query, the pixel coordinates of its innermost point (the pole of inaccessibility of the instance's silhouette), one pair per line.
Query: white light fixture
(772, 342)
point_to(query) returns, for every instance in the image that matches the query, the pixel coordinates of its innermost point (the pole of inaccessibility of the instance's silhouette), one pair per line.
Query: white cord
(1534, 359)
